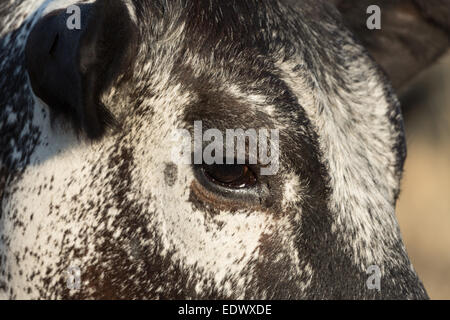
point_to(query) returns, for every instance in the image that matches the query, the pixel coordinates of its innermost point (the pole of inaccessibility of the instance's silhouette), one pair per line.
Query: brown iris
(234, 176)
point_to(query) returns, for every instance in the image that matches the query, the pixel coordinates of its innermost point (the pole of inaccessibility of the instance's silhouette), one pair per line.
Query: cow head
(100, 188)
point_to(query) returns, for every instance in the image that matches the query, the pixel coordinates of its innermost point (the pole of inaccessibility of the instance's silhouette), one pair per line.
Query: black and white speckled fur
(139, 226)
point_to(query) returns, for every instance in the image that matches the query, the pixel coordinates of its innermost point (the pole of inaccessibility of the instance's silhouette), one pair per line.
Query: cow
(95, 205)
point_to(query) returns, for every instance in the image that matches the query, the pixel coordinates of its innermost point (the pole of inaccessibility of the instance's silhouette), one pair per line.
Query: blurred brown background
(424, 207)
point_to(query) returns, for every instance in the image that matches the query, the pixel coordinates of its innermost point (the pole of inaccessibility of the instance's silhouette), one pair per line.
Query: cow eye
(232, 185)
(234, 176)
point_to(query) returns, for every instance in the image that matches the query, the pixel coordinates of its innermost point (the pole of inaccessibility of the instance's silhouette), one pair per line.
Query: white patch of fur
(257, 102)
(292, 191)
(131, 10)
(359, 154)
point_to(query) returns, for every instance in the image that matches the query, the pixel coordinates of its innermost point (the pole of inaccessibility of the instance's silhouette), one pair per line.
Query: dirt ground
(424, 207)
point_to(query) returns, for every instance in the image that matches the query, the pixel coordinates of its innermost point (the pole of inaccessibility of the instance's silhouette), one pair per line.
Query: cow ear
(413, 34)
(72, 56)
